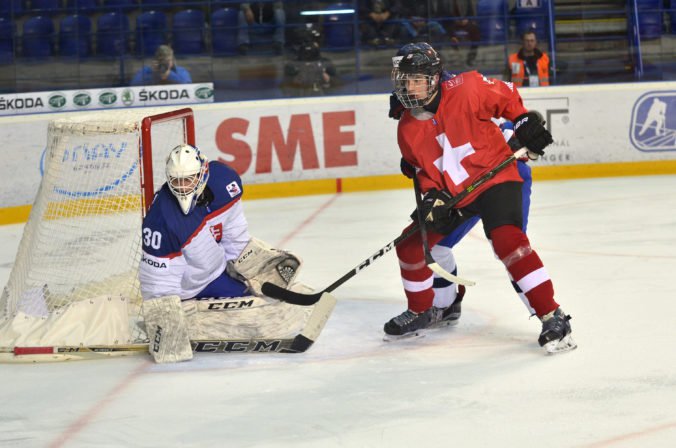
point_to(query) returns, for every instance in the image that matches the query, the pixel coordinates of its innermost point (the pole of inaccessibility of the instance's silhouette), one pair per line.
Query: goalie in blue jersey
(198, 257)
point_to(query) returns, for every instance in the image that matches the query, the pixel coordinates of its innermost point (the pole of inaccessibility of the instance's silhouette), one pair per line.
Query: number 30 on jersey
(151, 238)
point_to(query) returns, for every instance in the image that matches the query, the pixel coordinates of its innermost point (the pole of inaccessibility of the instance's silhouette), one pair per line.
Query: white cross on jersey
(449, 161)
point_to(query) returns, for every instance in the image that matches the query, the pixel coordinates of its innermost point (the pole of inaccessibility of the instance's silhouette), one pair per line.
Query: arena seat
(224, 31)
(118, 5)
(11, 8)
(38, 37)
(491, 20)
(112, 34)
(44, 7)
(532, 18)
(75, 32)
(151, 27)
(81, 6)
(188, 37)
(7, 30)
(649, 18)
(339, 28)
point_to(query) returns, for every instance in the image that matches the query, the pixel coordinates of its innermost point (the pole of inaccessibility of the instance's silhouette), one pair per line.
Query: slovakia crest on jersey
(233, 189)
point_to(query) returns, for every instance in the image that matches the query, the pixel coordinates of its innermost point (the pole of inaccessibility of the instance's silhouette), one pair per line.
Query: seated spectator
(420, 24)
(462, 29)
(261, 13)
(377, 17)
(163, 70)
(529, 67)
(465, 32)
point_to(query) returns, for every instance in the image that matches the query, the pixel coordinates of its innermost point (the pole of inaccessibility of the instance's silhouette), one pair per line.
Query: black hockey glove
(407, 169)
(436, 212)
(396, 108)
(531, 132)
(514, 143)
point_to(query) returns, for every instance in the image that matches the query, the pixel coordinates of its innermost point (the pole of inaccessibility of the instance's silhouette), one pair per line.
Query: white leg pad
(167, 328)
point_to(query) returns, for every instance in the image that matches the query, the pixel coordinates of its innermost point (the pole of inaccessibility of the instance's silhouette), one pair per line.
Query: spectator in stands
(163, 70)
(465, 32)
(377, 19)
(261, 13)
(420, 25)
(529, 66)
(461, 28)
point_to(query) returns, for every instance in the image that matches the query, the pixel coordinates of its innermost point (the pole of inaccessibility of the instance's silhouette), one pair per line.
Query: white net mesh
(74, 281)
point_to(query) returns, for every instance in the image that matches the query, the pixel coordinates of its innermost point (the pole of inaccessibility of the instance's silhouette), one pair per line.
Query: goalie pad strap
(167, 329)
(259, 263)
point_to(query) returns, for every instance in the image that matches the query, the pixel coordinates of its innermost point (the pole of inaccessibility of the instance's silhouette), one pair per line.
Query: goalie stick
(295, 344)
(429, 260)
(296, 298)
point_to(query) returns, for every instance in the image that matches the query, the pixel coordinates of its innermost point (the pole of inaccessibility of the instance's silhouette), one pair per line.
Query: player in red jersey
(447, 132)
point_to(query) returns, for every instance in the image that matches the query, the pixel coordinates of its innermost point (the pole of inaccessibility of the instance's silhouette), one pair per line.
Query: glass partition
(294, 48)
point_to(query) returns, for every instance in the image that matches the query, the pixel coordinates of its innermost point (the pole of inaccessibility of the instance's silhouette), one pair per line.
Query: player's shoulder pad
(224, 183)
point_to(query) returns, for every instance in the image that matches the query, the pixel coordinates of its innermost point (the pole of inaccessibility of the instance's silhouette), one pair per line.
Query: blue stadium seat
(187, 31)
(11, 8)
(112, 34)
(530, 18)
(45, 7)
(151, 27)
(38, 37)
(7, 29)
(75, 33)
(491, 19)
(81, 6)
(649, 18)
(118, 5)
(224, 31)
(157, 5)
(339, 28)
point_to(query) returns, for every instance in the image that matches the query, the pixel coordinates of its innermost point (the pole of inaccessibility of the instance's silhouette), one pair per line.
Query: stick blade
(292, 297)
(436, 268)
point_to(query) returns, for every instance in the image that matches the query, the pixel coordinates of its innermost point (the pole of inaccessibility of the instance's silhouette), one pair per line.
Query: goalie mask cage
(73, 291)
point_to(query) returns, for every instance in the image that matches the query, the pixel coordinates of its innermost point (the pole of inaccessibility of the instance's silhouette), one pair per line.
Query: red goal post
(146, 148)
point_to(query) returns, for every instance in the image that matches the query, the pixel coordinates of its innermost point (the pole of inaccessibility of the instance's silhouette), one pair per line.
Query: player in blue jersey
(196, 245)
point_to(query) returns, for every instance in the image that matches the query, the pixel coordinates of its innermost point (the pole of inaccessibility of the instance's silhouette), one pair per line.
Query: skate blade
(563, 345)
(412, 335)
(444, 323)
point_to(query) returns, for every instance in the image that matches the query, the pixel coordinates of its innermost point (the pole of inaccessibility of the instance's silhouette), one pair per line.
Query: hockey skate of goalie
(201, 272)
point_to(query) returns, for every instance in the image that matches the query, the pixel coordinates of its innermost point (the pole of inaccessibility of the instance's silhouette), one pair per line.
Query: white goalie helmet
(187, 173)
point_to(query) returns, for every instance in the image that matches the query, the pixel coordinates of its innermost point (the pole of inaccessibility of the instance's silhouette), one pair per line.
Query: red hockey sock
(511, 245)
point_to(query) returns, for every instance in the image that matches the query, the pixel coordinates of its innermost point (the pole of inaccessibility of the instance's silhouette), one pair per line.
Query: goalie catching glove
(260, 263)
(531, 132)
(437, 214)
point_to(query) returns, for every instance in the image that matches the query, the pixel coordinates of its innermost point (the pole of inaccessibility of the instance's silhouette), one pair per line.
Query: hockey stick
(295, 344)
(296, 298)
(429, 260)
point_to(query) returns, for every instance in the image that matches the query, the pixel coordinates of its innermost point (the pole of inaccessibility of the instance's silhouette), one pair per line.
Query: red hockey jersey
(461, 143)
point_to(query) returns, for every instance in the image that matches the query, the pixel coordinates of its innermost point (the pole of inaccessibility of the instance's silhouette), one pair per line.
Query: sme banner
(345, 137)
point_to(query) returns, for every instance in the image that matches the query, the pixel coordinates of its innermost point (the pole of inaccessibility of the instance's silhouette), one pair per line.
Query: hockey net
(73, 291)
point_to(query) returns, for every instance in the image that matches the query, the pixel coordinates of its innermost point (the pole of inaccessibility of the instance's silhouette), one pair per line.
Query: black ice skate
(450, 315)
(556, 332)
(408, 324)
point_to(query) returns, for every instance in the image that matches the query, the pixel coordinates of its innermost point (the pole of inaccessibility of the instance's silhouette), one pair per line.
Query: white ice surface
(608, 244)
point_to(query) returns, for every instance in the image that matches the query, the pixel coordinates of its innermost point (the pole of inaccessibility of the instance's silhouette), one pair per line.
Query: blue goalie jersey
(183, 254)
